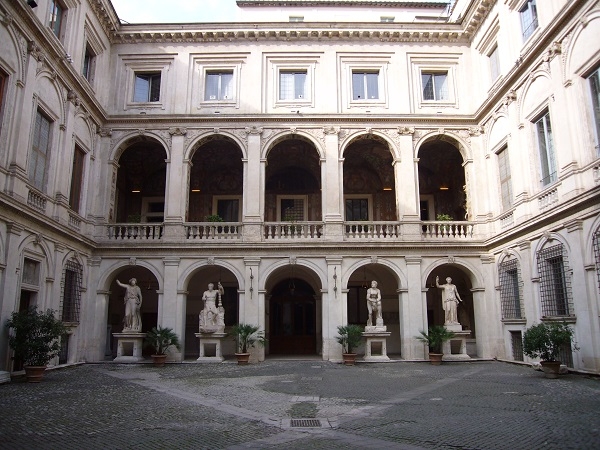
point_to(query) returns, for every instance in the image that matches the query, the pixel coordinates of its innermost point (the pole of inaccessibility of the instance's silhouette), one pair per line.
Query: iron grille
(64, 349)
(511, 289)
(71, 297)
(565, 355)
(596, 242)
(555, 284)
(305, 423)
(517, 345)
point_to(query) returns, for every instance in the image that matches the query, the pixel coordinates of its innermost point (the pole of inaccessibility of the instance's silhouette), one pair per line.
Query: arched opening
(141, 181)
(197, 285)
(293, 182)
(369, 188)
(216, 181)
(293, 313)
(465, 312)
(149, 286)
(387, 283)
(442, 186)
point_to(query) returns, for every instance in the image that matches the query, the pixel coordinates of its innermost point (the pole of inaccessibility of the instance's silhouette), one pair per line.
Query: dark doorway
(293, 319)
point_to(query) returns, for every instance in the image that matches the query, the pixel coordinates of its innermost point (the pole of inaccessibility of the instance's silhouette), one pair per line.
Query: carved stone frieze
(191, 135)
(177, 131)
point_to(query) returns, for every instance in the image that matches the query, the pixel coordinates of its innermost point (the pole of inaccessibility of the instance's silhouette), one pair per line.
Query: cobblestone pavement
(301, 405)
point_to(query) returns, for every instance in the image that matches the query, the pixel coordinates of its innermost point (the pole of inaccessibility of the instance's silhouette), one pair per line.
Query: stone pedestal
(376, 344)
(129, 346)
(210, 347)
(461, 336)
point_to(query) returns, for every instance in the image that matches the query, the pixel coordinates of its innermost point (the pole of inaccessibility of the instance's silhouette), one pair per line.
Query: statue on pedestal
(212, 317)
(450, 299)
(133, 304)
(374, 305)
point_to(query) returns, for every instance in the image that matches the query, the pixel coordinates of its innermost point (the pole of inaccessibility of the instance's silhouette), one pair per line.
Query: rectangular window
(555, 287)
(292, 209)
(494, 63)
(76, 179)
(56, 17)
(71, 298)
(435, 86)
(219, 86)
(229, 209)
(40, 151)
(3, 86)
(292, 85)
(147, 87)
(529, 18)
(365, 85)
(386, 19)
(510, 290)
(516, 338)
(505, 178)
(546, 149)
(89, 60)
(357, 209)
(594, 79)
(31, 272)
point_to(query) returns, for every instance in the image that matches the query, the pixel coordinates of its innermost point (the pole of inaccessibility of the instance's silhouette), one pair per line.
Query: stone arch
(536, 91)
(187, 275)
(135, 137)
(110, 272)
(50, 94)
(475, 276)
(85, 130)
(321, 276)
(372, 134)
(356, 266)
(288, 135)
(446, 136)
(579, 55)
(39, 240)
(200, 140)
(9, 35)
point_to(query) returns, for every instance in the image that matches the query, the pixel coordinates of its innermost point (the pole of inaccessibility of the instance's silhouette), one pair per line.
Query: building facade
(296, 158)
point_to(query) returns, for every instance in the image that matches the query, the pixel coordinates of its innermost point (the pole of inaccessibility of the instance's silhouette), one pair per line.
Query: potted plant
(36, 340)
(445, 229)
(349, 337)
(435, 338)
(213, 218)
(160, 339)
(247, 336)
(544, 341)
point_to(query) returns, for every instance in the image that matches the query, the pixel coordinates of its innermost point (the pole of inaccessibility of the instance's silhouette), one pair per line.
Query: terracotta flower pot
(159, 360)
(34, 374)
(349, 358)
(435, 358)
(243, 358)
(551, 368)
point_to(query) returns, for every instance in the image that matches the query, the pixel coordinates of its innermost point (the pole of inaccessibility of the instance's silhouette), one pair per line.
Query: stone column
(406, 173)
(176, 191)
(171, 305)
(252, 308)
(335, 309)
(413, 311)
(254, 185)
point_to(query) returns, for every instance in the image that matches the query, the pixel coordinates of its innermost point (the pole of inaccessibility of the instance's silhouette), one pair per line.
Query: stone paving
(301, 405)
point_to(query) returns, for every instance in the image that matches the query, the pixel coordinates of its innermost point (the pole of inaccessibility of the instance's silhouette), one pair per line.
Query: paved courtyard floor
(301, 405)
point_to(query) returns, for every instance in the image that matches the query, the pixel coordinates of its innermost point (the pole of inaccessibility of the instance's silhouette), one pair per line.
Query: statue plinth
(376, 345)
(210, 346)
(375, 329)
(212, 329)
(459, 335)
(454, 327)
(129, 346)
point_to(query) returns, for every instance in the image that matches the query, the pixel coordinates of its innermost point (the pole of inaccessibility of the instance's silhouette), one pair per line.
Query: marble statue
(374, 305)
(212, 317)
(450, 299)
(133, 305)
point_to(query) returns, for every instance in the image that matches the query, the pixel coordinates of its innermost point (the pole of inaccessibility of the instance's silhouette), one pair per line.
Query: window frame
(505, 183)
(217, 198)
(434, 74)
(146, 64)
(294, 76)
(89, 63)
(510, 283)
(494, 63)
(204, 65)
(551, 299)
(148, 214)
(595, 104)
(35, 152)
(528, 29)
(356, 63)
(57, 18)
(364, 75)
(293, 63)
(546, 152)
(280, 198)
(220, 96)
(71, 295)
(4, 83)
(152, 79)
(434, 63)
(368, 198)
(77, 178)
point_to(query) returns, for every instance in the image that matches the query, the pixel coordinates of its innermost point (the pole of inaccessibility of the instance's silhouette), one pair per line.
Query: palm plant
(247, 336)
(349, 336)
(435, 337)
(161, 339)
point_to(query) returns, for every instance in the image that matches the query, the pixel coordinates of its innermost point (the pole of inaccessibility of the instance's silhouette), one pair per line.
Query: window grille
(63, 355)
(511, 290)
(71, 297)
(596, 242)
(517, 345)
(555, 284)
(565, 355)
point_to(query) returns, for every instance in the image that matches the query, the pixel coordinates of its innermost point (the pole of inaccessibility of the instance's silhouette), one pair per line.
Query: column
(171, 306)
(334, 309)
(252, 307)
(176, 189)
(413, 311)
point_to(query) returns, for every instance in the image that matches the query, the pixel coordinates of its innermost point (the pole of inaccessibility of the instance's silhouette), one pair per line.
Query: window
(510, 289)
(357, 209)
(596, 244)
(435, 85)
(31, 272)
(529, 18)
(555, 286)
(76, 179)
(71, 297)
(296, 18)
(3, 85)
(494, 63)
(292, 208)
(516, 338)
(153, 209)
(386, 19)
(219, 86)
(546, 149)
(147, 87)
(89, 62)
(505, 178)
(228, 208)
(40, 151)
(292, 85)
(365, 85)
(57, 12)
(595, 89)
